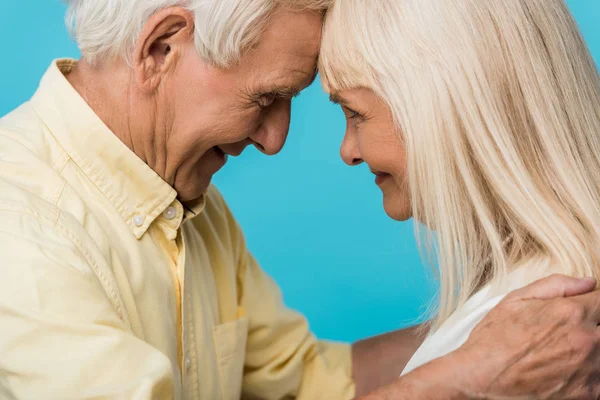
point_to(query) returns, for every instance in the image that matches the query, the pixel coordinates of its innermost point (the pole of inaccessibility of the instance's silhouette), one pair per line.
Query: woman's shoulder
(522, 274)
(454, 332)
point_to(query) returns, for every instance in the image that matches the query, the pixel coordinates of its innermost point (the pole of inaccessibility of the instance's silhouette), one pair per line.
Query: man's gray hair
(224, 28)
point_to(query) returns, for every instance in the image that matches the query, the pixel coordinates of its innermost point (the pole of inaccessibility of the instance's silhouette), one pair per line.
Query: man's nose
(349, 150)
(272, 133)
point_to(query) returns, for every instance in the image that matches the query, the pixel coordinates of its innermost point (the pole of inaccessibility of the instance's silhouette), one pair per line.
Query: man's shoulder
(30, 163)
(41, 215)
(30, 217)
(30, 160)
(22, 125)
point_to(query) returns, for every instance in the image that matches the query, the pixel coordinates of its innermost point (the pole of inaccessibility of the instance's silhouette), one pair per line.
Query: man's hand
(540, 342)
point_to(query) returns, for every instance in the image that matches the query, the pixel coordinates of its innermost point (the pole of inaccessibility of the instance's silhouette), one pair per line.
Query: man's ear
(160, 45)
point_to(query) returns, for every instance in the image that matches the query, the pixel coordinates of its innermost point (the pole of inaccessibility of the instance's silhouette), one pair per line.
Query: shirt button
(138, 220)
(170, 213)
(188, 364)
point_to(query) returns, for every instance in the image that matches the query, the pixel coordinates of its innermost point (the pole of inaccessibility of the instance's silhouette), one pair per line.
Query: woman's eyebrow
(336, 99)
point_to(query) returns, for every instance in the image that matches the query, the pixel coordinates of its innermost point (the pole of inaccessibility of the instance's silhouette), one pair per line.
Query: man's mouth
(220, 153)
(234, 153)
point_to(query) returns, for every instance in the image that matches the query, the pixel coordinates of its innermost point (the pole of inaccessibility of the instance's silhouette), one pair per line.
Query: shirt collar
(138, 193)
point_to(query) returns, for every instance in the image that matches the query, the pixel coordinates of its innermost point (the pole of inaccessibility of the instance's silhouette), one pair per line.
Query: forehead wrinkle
(296, 62)
(302, 72)
(288, 78)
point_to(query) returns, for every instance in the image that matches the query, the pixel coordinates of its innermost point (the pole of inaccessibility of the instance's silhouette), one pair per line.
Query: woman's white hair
(224, 28)
(498, 105)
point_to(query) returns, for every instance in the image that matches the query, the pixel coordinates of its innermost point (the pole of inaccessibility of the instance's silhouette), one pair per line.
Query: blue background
(315, 225)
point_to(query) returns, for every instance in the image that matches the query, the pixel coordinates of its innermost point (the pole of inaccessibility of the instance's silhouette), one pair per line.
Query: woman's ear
(160, 45)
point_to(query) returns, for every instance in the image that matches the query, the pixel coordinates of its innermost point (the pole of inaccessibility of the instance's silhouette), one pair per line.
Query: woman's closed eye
(352, 115)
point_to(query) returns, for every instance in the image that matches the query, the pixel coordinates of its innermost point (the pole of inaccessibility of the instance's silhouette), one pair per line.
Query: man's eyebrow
(286, 92)
(289, 92)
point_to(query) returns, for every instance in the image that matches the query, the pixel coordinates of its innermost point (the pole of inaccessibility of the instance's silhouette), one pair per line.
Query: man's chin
(194, 191)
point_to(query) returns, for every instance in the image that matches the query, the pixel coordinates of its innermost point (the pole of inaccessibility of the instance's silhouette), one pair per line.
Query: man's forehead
(286, 58)
(286, 83)
(287, 42)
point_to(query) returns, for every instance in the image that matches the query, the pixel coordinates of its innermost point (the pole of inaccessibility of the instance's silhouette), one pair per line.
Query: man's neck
(106, 89)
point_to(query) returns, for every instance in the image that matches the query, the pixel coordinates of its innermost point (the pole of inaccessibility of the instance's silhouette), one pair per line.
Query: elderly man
(124, 275)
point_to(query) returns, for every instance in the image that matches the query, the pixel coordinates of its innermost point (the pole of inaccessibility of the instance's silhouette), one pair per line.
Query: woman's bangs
(343, 59)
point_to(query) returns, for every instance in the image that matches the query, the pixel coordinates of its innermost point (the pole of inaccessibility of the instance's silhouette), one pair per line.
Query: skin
(174, 102)
(168, 107)
(372, 138)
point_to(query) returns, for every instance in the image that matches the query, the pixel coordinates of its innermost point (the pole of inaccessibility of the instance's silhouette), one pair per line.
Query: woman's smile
(380, 176)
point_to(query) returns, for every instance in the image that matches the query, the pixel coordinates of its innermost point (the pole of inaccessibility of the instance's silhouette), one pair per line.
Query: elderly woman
(480, 119)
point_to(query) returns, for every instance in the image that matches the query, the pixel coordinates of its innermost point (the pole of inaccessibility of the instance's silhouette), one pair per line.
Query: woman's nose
(349, 150)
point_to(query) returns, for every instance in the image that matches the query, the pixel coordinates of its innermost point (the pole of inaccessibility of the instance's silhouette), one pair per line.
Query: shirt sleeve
(283, 357)
(60, 336)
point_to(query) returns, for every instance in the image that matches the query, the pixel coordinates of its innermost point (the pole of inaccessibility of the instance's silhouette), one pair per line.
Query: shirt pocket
(230, 344)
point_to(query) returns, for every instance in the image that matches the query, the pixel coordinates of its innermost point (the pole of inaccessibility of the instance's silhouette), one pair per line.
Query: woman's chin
(398, 212)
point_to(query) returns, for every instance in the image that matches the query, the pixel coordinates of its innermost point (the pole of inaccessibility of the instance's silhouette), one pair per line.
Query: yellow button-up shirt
(111, 288)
